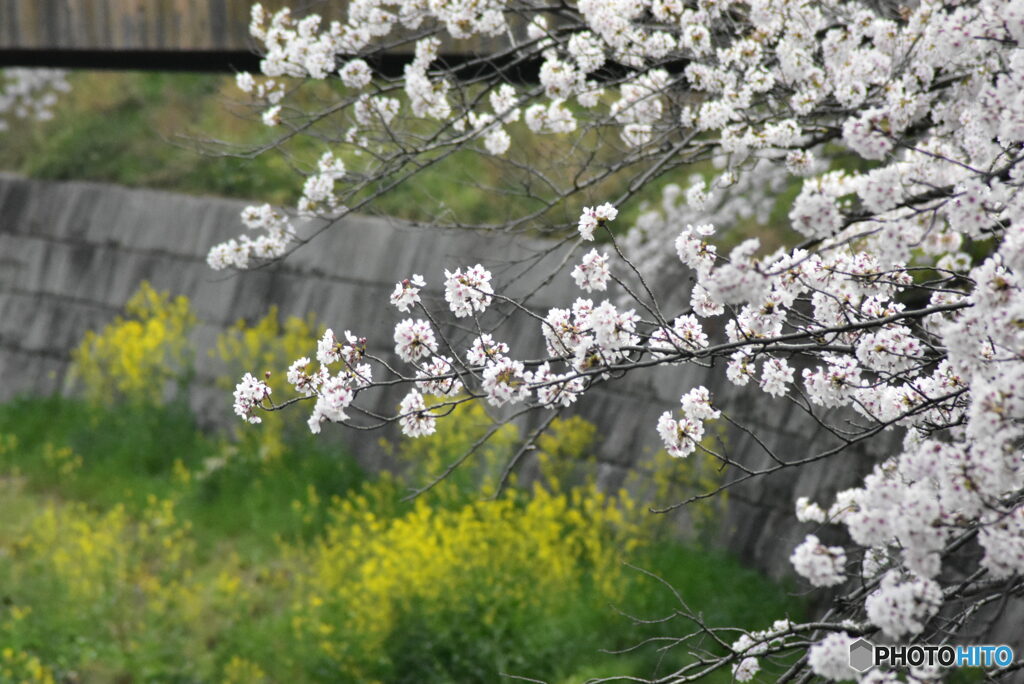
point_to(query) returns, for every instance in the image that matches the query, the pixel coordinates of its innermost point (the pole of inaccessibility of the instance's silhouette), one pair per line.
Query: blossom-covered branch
(899, 130)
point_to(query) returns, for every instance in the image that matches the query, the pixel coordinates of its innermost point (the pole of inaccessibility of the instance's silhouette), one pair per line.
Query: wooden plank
(157, 25)
(137, 24)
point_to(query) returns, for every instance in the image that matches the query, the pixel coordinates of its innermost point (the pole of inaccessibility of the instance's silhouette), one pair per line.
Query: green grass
(142, 129)
(244, 515)
(130, 454)
(163, 130)
(166, 130)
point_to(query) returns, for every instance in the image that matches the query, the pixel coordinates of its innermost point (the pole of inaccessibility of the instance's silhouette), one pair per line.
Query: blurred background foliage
(136, 547)
(196, 133)
(140, 357)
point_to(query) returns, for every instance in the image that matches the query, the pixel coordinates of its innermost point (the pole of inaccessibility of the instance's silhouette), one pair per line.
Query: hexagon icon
(862, 655)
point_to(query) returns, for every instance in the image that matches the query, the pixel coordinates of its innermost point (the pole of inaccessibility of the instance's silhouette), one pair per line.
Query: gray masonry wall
(71, 254)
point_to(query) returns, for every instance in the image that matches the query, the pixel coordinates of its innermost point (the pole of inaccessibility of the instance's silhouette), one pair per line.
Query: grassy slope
(158, 129)
(241, 513)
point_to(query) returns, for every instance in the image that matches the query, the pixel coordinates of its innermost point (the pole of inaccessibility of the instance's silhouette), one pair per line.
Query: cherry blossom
(416, 420)
(888, 139)
(592, 273)
(414, 340)
(823, 566)
(468, 293)
(249, 393)
(592, 217)
(30, 93)
(407, 293)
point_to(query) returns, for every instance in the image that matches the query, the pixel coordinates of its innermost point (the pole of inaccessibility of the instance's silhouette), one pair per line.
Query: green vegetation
(166, 130)
(170, 130)
(136, 547)
(140, 129)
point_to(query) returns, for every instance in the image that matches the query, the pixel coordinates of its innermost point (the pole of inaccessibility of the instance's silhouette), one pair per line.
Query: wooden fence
(212, 25)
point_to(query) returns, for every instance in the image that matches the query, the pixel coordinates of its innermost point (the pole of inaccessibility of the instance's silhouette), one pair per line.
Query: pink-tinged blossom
(304, 382)
(695, 252)
(414, 340)
(776, 376)
(680, 437)
(800, 163)
(592, 217)
(740, 369)
(822, 566)
(815, 213)
(587, 224)
(833, 385)
(613, 329)
(703, 304)
(696, 404)
(555, 389)
(438, 377)
(468, 293)
(504, 382)
(353, 350)
(249, 393)
(334, 397)
(606, 212)
(592, 273)
(564, 330)
(486, 350)
(1002, 538)
(830, 658)
(902, 607)
(416, 420)
(865, 136)
(891, 350)
(328, 350)
(686, 334)
(407, 293)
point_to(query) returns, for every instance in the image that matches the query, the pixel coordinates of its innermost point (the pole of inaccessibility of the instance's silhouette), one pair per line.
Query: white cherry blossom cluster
(440, 378)
(468, 293)
(686, 334)
(249, 394)
(340, 375)
(414, 340)
(30, 93)
(892, 143)
(242, 252)
(407, 293)
(830, 658)
(592, 273)
(823, 566)
(592, 217)
(683, 436)
(416, 420)
(749, 647)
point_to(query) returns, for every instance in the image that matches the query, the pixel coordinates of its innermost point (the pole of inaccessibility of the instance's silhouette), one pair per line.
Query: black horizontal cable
(390, 65)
